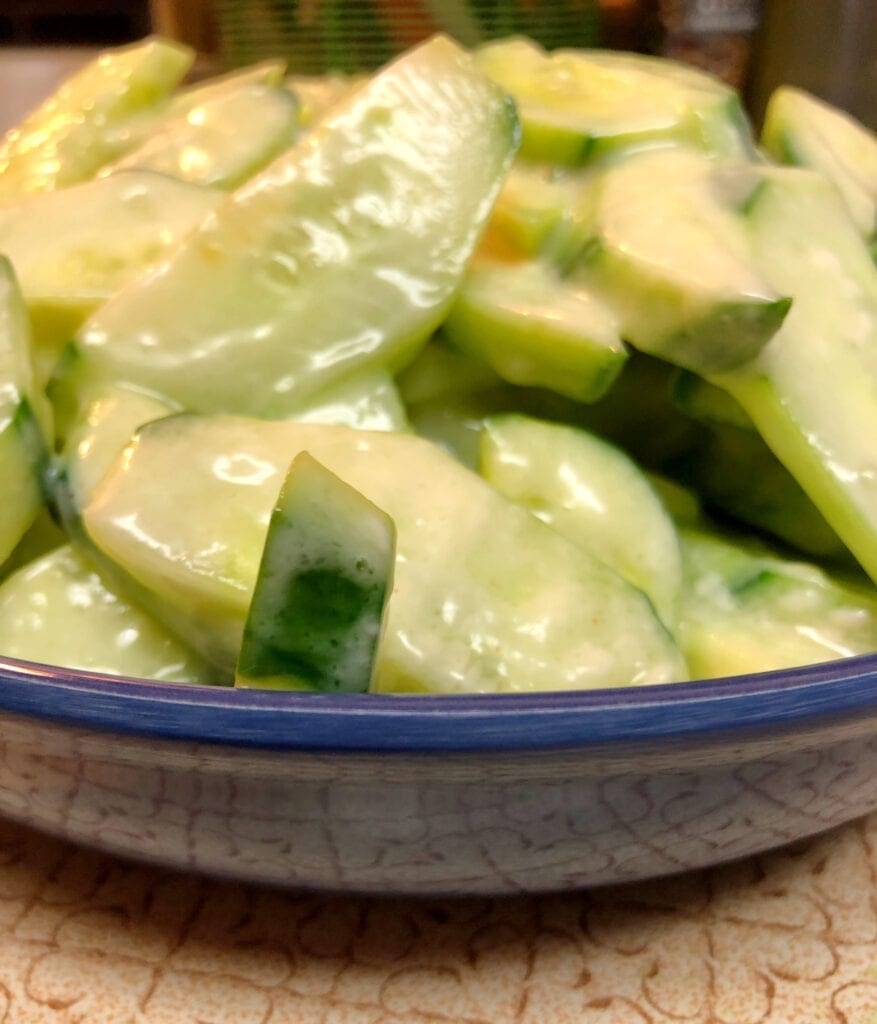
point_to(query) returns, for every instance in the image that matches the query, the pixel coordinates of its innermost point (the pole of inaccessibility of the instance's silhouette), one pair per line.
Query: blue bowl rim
(655, 715)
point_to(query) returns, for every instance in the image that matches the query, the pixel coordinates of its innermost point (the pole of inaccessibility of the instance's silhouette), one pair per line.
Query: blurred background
(826, 46)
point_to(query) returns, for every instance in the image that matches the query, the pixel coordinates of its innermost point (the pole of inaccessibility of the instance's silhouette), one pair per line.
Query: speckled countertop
(786, 938)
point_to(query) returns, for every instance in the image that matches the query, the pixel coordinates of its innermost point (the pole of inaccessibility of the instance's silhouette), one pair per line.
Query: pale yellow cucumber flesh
(341, 256)
(58, 611)
(592, 493)
(76, 130)
(486, 597)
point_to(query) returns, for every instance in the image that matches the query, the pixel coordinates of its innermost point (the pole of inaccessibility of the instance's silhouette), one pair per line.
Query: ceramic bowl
(439, 795)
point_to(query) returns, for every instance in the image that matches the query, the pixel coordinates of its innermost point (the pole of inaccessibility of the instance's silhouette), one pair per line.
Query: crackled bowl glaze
(439, 794)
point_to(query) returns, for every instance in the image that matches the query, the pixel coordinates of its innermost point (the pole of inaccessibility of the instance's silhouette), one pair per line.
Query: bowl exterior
(437, 823)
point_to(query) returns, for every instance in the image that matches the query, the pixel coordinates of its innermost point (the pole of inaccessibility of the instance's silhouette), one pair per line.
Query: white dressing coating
(341, 256)
(812, 393)
(746, 610)
(486, 598)
(81, 125)
(58, 611)
(593, 494)
(801, 129)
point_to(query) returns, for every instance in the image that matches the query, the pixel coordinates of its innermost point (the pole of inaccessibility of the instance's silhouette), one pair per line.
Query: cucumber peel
(320, 598)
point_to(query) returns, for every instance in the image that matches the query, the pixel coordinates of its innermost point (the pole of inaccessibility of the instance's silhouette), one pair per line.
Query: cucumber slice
(535, 328)
(740, 475)
(577, 104)
(465, 615)
(440, 372)
(320, 598)
(341, 256)
(72, 249)
(533, 201)
(593, 494)
(58, 611)
(317, 94)
(25, 419)
(222, 141)
(78, 129)
(109, 422)
(812, 393)
(708, 403)
(745, 610)
(801, 129)
(663, 238)
(41, 537)
(367, 402)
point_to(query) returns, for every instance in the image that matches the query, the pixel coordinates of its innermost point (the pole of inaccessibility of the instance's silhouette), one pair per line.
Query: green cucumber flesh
(76, 130)
(707, 403)
(575, 105)
(261, 308)
(662, 238)
(320, 597)
(58, 611)
(221, 142)
(465, 616)
(535, 328)
(801, 129)
(593, 494)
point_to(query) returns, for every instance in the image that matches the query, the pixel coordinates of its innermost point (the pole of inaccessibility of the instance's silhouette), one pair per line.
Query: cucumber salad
(494, 371)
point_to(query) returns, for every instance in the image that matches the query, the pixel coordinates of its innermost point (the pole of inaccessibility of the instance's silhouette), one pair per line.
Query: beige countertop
(785, 938)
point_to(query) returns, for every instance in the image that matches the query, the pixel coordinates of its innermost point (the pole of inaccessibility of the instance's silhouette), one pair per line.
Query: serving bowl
(439, 795)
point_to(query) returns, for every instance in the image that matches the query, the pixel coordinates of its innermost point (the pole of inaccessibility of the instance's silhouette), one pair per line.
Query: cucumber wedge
(577, 104)
(25, 419)
(535, 328)
(486, 597)
(369, 401)
(707, 403)
(812, 393)
(442, 372)
(746, 610)
(803, 130)
(320, 598)
(58, 611)
(73, 248)
(593, 494)
(221, 142)
(663, 238)
(81, 126)
(343, 255)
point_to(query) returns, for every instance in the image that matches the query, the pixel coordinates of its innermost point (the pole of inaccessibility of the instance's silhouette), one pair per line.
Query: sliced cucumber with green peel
(58, 611)
(221, 142)
(746, 610)
(25, 419)
(73, 248)
(368, 401)
(341, 256)
(663, 238)
(801, 129)
(812, 393)
(81, 126)
(578, 104)
(41, 537)
(535, 328)
(533, 201)
(486, 598)
(593, 494)
(320, 598)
